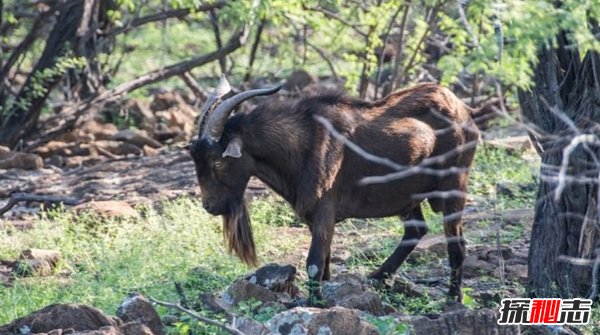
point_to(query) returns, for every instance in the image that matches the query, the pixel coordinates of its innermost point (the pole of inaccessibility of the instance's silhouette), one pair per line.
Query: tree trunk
(562, 108)
(23, 116)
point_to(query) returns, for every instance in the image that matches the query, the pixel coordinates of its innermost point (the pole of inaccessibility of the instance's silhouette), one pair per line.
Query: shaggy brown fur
(285, 147)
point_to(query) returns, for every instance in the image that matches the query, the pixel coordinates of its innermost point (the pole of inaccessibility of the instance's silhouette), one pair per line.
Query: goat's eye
(218, 164)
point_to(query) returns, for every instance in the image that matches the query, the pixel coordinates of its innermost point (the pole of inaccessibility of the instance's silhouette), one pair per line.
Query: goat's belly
(377, 202)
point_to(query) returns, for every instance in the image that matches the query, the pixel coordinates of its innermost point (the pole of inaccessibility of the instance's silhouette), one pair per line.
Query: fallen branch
(197, 316)
(15, 198)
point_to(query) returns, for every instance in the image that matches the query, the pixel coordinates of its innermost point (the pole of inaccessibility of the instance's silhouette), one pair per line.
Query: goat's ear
(234, 148)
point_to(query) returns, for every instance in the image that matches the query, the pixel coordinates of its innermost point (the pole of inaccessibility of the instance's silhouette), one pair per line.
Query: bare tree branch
(15, 198)
(227, 328)
(189, 80)
(176, 13)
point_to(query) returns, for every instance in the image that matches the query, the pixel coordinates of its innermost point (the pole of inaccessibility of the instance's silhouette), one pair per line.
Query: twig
(214, 22)
(400, 46)
(254, 49)
(338, 18)
(197, 316)
(15, 198)
(161, 16)
(182, 296)
(191, 83)
(323, 55)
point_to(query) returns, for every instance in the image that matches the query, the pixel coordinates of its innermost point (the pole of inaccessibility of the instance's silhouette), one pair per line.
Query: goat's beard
(237, 233)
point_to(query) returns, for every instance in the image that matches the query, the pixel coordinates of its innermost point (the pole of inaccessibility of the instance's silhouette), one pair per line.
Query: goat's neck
(272, 176)
(278, 165)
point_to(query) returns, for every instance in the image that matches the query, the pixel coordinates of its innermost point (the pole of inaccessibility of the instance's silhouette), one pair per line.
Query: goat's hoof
(378, 275)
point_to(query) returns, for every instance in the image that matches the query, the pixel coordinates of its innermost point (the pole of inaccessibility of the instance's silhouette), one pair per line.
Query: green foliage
(388, 325)
(525, 25)
(275, 212)
(494, 166)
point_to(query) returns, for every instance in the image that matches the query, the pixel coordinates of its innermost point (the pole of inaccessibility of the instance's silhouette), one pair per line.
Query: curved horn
(216, 120)
(212, 101)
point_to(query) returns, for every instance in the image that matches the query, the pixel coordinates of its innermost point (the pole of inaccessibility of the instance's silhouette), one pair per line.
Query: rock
(514, 143)
(149, 151)
(77, 161)
(464, 322)
(342, 285)
(136, 137)
(4, 151)
(165, 100)
(79, 318)
(118, 148)
(243, 290)
(51, 256)
(347, 290)
(32, 267)
(136, 328)
(406, 287)
(136, 308)
(276, 278)
(434, 245)
(249, 326)
(474, 267)
(369, 302)
(108, 208)
(517, 272)
(141, 114)
(107, 330)
(52, 148)
(314, 321)
(181, 117)
(100, 131)
(56, 160)
(20, 160)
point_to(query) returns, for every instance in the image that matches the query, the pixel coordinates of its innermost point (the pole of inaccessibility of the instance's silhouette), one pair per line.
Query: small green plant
(388, 325)
(468, 300)
(274, 212)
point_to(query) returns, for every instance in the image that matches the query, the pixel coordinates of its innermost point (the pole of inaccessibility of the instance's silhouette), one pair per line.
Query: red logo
(545, 311)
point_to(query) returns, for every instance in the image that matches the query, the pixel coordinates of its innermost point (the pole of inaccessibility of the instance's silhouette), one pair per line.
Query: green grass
(103, 260)
(494, 166)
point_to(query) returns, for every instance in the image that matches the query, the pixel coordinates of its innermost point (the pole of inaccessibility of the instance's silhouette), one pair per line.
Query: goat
(425, 128)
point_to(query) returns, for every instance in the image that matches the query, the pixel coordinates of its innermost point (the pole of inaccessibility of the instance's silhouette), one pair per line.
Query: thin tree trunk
(214, 21)
(563, 107)
(255, 45)
(22, 118)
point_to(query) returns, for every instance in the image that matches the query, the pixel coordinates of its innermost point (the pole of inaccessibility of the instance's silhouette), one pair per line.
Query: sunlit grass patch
(105, 259)
(493, 167)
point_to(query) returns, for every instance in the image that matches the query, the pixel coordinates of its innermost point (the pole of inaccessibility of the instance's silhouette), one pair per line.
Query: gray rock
(348, 291)
(249, 326)
(79, 318)
(136, 308)
(315, 321)
(464, 322)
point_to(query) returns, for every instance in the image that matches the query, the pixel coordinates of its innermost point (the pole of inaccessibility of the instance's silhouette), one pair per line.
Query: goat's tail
(237, 232)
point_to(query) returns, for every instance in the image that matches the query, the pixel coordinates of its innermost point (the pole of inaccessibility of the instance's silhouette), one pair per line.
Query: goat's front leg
(317, 263)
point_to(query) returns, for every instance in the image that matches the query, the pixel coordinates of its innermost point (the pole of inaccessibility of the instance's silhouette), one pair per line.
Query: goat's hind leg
(452, 209)
(414, 228)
